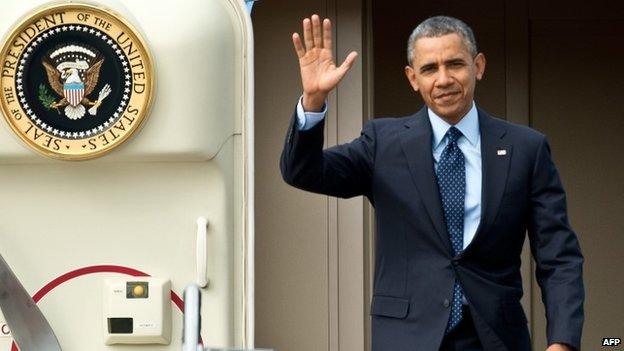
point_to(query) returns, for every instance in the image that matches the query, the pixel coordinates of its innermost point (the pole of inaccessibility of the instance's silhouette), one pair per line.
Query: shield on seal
(74, 92)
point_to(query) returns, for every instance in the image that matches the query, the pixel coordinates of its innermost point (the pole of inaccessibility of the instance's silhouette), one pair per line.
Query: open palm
(319, 73)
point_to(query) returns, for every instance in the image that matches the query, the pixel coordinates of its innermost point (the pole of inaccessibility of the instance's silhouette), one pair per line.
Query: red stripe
(84, 271)
(69, 96)
(175, 298)
(74, 96)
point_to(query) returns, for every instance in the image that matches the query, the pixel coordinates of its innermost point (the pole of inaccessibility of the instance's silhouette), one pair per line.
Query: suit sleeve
(557, 253)
(342, 170)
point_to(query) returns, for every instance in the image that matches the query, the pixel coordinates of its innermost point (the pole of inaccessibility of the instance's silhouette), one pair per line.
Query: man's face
(445, 73)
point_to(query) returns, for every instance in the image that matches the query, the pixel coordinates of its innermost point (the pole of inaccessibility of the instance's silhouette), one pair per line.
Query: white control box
(137, 310)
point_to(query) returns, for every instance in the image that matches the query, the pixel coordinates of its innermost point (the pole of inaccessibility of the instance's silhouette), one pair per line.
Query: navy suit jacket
(391, 163)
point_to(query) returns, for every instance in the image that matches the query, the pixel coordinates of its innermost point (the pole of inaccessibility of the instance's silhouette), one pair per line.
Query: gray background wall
(310, 251)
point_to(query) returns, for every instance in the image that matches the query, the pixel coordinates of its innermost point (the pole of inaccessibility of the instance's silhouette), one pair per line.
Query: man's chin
(448, 113)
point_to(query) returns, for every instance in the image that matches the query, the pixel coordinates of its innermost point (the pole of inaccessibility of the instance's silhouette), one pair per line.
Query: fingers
(349, 61)
(315, 34)
(298, 45)
(327, 34)
(307, 34)
(316, 31)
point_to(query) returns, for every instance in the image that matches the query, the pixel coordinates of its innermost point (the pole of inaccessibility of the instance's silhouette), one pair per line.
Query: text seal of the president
(76, 81)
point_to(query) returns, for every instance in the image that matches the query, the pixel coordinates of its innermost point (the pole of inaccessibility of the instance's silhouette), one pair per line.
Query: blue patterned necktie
(451, 174)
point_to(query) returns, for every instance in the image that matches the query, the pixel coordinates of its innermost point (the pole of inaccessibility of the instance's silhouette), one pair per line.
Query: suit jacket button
(446, 303)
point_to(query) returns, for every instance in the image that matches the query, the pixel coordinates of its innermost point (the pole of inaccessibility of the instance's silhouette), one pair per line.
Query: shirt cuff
(307, 120)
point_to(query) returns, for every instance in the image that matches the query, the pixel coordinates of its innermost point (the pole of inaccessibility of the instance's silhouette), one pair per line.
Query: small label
(501, 152)
(5, 332)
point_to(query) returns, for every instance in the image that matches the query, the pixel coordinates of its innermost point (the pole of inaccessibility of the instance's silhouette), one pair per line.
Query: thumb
(348, 62)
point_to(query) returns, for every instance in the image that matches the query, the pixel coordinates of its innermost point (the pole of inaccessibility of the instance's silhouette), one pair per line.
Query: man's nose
(444, 78)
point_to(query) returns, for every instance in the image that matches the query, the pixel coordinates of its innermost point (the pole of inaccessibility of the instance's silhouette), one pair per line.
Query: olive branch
(44, 96)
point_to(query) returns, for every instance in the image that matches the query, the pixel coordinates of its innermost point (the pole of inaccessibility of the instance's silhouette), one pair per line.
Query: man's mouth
(446, 95)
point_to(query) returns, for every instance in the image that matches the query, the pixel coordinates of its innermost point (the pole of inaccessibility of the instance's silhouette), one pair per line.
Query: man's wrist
(313, 102)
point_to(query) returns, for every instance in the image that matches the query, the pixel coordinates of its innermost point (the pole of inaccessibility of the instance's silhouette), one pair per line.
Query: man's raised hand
(319, 73)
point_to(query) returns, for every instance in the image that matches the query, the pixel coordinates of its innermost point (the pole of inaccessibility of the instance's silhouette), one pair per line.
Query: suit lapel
(496, 155)
(416, 143)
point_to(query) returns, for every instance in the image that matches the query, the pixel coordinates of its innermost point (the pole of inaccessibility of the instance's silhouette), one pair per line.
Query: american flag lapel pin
(501, 152)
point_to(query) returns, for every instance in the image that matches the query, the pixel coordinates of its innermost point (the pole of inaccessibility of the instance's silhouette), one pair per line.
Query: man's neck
(453, 120)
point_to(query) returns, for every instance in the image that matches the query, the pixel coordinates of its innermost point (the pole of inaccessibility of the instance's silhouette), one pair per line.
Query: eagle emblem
(73, 72)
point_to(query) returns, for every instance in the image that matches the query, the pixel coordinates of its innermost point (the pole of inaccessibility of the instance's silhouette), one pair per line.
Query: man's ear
(480, 65)
(411, 77)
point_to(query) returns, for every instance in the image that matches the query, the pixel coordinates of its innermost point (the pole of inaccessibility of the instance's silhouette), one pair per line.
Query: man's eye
(427, 69)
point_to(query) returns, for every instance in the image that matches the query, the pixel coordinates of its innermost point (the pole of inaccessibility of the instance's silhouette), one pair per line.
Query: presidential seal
(77, 81)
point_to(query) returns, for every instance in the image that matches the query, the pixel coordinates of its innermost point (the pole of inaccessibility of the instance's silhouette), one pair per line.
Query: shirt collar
(468, 125)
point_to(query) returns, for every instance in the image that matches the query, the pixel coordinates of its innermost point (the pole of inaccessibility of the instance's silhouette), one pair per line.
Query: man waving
(455, 192)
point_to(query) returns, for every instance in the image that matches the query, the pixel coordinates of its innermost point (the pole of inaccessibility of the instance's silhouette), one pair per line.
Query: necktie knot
(453, 134)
